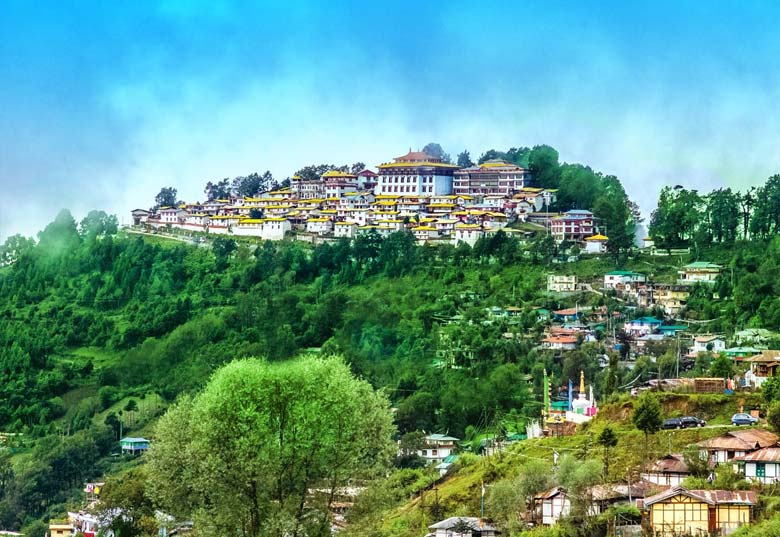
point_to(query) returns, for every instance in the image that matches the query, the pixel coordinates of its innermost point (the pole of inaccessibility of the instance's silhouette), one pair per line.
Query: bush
(108, 395)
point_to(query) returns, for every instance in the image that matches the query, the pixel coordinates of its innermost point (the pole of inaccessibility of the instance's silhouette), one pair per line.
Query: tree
(433, 149)
(13, 248)
(245, 455)
(773, 416)
(166, 197)
(543, 163)
(218, 190)
(647, 417)
(722, 367)
(252, 184)
(464, 159)
(607, 439)
(98, 223)
(124, 508)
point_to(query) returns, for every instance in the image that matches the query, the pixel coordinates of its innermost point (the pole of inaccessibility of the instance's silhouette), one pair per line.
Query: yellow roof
(416, 165)
(252, 221)
(385, 202)
(276, 219)
(346, 224)
(337, 173)
(468, 226)
(387, 196)
(318, 220)
(597, 238)
(442, 205)
(424, 228)
(328, 211)
(427, 220)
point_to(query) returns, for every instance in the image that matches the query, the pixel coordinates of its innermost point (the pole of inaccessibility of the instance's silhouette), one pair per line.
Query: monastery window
(760, 469)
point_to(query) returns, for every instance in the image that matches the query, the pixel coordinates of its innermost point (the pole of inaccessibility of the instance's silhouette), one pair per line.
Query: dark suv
(683, 423)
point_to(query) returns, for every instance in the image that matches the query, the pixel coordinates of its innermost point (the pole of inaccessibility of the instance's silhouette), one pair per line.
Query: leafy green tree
(607, 439)
(579, 477)
(464, 159)
(433, 149)
(167, 197)
(219, 190)
(125, 508)
(14, 247)
(647, 416)
(543, 163)
(246, 454)
(773, 416)
(722, 367)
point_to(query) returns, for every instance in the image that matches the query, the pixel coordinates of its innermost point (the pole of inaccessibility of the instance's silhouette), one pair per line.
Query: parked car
(743, 419)
(683, 423)
(673, 423)
(692, 421)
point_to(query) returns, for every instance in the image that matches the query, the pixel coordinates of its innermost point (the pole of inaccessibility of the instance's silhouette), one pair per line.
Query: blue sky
(102, 103)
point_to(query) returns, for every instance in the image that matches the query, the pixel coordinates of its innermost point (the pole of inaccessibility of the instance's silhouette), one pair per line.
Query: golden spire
(582, 381)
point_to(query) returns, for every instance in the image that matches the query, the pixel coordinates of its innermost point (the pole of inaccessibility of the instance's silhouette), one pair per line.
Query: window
(760, 469)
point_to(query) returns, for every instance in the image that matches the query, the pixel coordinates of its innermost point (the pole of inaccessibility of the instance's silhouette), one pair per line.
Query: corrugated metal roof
(746, 440)
(770, 454)
(711, 497)
(673, 463)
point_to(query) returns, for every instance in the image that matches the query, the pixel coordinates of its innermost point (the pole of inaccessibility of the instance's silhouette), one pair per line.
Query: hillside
(102, 331)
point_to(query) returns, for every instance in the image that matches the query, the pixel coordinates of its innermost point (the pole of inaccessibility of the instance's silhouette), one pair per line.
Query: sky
(104, 103)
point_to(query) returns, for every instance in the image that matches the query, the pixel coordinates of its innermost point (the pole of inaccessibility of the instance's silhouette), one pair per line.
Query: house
(468, 233)
(449, 527)
(437, 448)
(596, 244)
(679, 511)
(562, 343)
(622, 277)
(424, 233)
(60, 530)
(700, 272)
(444, 466)
(707, 343)
(567, 315)
(726, 447)
(560, 283)
(493, 176)
(134, 446)
(140, 216)
(762, 465)
(319, 226)
(643, 326)
(552, 504)
(668, 471)
(572, 225)
(672, 298)
(739, 353)
(345, 229)
(762, 366)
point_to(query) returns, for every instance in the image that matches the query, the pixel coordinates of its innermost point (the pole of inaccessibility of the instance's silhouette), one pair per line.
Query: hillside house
(134, 446)
(707, 343)
(551, 505)
(700, 272)
(726, 447)
(560, 342)
(561, 283)
(572, 225)
(319, 226)
(762, 366)
(345, 229)
(762, 465)
(668, 471)
(621, 278)
(468, 233)
(596, 244)
(672, 298)
(437, 448)
(679, 511)
(738, 354)
(643, 326)
(446, 528)
(140, 216)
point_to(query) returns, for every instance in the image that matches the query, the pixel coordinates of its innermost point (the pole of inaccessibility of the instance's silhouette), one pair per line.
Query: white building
(762, 465)
(708, 343)
(553, 505)
(345, 229)
(468, 233)
(701, 271)
(478, 528)
(437, 448)
(726, 447)
(668, 471)
(596, 244)
(319, 226)
(561, 283)
(622, 277)
(415, 173)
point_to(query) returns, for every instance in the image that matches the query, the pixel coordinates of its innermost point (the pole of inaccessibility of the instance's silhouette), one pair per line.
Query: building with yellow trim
(680, 511)
(416, 173)
(491, 177)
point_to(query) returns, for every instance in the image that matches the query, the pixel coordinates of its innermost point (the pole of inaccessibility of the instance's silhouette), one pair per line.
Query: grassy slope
(459, 494)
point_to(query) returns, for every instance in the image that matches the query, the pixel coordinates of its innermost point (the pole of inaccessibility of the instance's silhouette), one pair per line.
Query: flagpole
(482, 509)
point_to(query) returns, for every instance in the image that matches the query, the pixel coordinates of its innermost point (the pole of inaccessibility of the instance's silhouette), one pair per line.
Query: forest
(91, 315)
